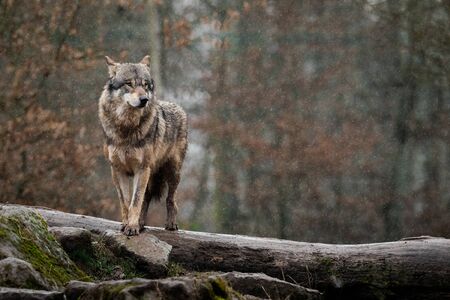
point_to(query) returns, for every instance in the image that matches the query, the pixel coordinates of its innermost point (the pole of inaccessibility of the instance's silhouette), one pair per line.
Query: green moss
(28, 234)
(175, 269)
(101, 264)
(219, 289)
(46, 264)
(3, 233)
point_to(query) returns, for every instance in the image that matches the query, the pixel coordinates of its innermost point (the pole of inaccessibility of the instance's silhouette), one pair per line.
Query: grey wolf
(146, 142)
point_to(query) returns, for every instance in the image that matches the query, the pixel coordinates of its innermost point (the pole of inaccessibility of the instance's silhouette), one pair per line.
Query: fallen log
(412, 268)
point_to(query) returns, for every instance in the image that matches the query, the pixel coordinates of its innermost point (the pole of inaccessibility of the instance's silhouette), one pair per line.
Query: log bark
(412, 268)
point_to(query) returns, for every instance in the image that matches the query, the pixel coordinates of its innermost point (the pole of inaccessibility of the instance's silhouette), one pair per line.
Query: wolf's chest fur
(126, 159)
(130, 159)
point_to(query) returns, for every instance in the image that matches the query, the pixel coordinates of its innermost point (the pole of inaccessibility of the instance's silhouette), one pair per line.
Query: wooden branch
(412, 268)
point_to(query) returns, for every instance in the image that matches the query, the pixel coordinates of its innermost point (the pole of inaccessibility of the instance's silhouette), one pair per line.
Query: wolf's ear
(112, 66)
(146, 61)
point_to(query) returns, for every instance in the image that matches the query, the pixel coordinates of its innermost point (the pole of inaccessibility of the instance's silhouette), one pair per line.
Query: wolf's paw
(171, 226)
(131, 230)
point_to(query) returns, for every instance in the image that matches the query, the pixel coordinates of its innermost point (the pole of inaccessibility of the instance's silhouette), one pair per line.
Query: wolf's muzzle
(143, 100)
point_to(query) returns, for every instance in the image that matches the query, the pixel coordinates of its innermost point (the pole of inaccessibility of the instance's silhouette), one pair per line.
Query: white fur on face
(132, 99)
(116, 93)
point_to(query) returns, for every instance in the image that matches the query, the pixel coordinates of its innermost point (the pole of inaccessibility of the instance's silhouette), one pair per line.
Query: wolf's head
(131, 83)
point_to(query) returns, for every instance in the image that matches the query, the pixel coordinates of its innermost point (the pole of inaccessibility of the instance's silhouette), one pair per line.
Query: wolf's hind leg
(155, 189)
(145, 205)
(173, 179)
(122, 183)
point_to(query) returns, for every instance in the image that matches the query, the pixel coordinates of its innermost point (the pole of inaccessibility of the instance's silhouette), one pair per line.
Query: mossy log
(412, 268)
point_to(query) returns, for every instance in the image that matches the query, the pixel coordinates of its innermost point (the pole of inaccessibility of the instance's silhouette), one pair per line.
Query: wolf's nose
(143, 99)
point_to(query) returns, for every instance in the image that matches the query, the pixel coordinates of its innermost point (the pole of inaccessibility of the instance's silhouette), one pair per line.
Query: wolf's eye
(149, 84)
(129, 83)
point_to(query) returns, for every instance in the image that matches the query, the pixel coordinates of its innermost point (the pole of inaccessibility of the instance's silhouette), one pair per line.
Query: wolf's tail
(158, 188)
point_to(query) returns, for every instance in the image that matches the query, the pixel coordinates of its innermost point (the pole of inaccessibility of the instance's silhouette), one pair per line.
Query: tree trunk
(413, 268)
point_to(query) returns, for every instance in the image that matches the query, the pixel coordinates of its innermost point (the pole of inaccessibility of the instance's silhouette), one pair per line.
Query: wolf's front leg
(122, 183)
(140, 182)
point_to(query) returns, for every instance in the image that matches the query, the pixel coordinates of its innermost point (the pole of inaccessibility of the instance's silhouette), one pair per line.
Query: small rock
(26, 294)
(17, 273)
(152, 254)
(72, 238)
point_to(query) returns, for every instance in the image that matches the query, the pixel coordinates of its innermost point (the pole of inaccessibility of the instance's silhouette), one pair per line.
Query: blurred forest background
(324, 121)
